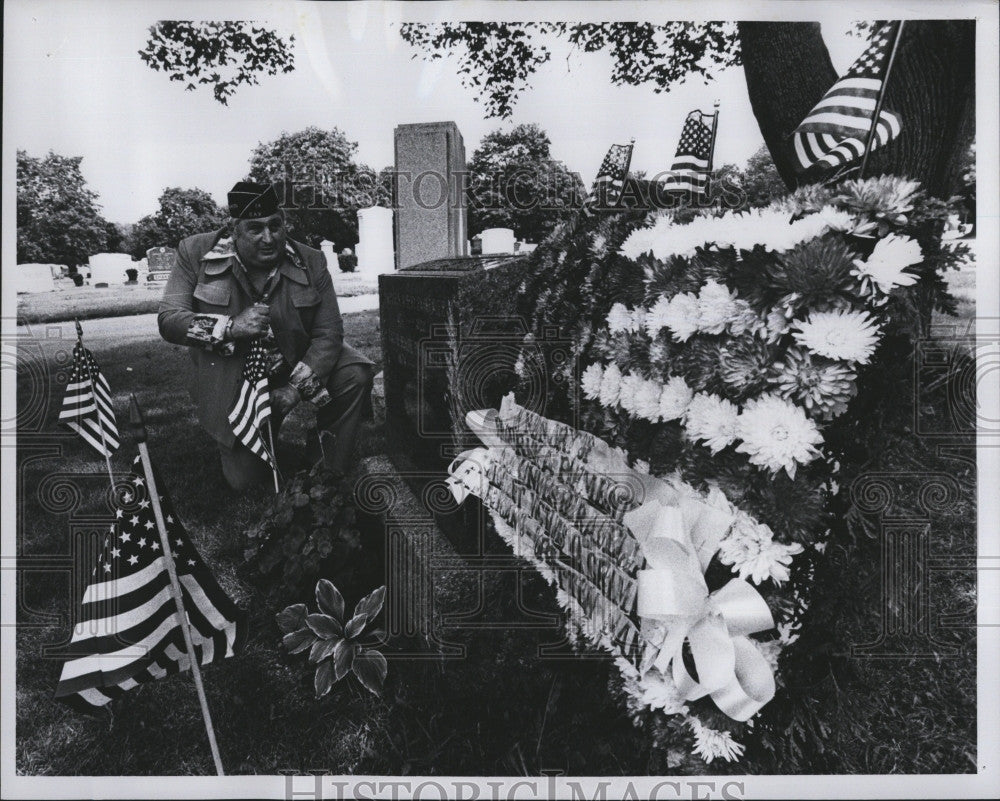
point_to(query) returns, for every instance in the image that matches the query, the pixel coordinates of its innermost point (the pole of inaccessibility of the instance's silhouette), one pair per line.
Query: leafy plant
(306, 531)
(336, 644)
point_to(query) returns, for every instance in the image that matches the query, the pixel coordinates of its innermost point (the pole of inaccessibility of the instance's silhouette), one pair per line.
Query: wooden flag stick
(274, 456)
(139, 429)
(878, 103)
(97, 411)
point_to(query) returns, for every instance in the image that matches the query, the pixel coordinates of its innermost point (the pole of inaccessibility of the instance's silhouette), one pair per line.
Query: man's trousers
(349, 386)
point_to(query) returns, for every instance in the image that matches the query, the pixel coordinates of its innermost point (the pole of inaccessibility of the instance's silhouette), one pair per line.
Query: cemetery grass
(86, 303)
(499, 710)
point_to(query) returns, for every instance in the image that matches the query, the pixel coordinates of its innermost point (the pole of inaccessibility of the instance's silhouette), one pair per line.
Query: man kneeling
(248, 282)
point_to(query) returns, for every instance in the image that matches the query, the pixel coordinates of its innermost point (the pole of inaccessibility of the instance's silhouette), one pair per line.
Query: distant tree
(57, 214)
(322, 184)
(222, 54)
(967, 185)
(514, 182)
(114, 241)
(759, 180)
(182, 212)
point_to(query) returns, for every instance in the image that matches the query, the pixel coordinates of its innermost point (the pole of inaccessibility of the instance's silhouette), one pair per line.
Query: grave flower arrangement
(744, 355)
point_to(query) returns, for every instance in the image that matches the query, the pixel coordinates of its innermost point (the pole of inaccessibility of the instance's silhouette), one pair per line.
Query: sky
(74, 84)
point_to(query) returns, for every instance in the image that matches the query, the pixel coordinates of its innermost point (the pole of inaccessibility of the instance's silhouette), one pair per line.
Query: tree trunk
(932, 86)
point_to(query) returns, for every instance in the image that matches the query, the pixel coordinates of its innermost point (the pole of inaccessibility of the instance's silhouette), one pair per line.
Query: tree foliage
(223, 54)
(182, 213)
(515, 183)
(57, 214)
(323, 185)
(496, 59)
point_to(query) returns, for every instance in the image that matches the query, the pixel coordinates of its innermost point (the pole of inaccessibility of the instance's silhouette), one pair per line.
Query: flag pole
(878, 102)
(97, 412)
(274, 456)
(715, 129)
(139, 430)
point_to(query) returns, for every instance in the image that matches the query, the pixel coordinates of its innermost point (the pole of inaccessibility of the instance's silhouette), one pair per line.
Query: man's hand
(284, 399)
(251, 322)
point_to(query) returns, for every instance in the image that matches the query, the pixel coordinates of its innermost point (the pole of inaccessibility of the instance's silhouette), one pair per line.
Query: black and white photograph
(500, 400)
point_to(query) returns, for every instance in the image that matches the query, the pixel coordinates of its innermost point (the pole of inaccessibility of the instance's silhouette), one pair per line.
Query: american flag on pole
(834, 133)
(87, 405)
(693, 160)
(611, 176)
(253, 405)
(127, 631)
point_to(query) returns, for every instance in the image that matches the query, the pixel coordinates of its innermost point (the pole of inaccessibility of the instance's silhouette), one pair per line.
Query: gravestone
(375, 248)
(108, 269)
(34, 277)
(429, 193)
(159, 262)
(332, 262)
(497, 240)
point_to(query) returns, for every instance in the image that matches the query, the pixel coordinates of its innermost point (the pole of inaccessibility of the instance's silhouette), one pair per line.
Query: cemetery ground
(499, 710)
(85, 302)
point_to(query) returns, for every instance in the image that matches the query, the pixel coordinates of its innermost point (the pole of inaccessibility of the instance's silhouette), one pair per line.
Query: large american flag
(835, 132)
(252, 409)
(127, 629)
(87, 405)
(611, 176)
(690, 168)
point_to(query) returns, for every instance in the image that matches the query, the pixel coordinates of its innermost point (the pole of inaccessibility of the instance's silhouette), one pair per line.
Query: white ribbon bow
(673, 595)
(469, 476)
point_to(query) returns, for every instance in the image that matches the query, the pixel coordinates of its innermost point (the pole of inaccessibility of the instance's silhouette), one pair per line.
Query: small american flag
(690, 168)
(611, 176)
(128, 631)
(87, 405)
(835, 132)
(253, 405)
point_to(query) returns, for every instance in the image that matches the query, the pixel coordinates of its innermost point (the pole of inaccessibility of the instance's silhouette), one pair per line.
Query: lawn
(87, 302)
(500, 710)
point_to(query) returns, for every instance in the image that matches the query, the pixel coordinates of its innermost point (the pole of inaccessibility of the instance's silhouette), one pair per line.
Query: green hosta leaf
(291, 618)
(298, 641)
(369, 606)
(325, 626)
(343, 658)
(370, 667)
(329, 599)
(321, 649)
(324, 679)
(355, 626)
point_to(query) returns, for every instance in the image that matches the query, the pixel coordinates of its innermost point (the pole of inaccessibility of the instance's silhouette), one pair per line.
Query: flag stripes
(252, 409)
(127, 629)
(87, 408)
(835, 132)
(693, 159)
(611, 175)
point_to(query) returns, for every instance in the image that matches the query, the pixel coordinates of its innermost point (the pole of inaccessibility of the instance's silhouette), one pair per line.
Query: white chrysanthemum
(620, 319)
(645, 240)
(744, 319)
(632, 385)
(711, 419)
(776, 325)
(599, 244)
(659, 692)
(647, 401)
(716, 307)
(841, 334)
(777, 434)
(611, 384)
(657, 316)
(681, 316)
(590, 381)
(674, 398)
(751, 550)
(884, 267)
(711, 744)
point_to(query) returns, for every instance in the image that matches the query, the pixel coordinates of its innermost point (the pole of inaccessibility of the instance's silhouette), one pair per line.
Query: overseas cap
(249, 201)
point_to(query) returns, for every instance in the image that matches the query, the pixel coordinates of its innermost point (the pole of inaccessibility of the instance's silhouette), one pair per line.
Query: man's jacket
(208, 285)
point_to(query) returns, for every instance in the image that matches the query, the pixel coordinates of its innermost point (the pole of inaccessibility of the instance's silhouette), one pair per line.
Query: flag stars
(119, 512)
(191, 562)
(155, 546)
(134, 520)
(107, 568)
(142, 542)
(115, 553)
(133, 560)
(127, 497)
(139, 481)
(125, 536)
(149, 524)
(143, 503)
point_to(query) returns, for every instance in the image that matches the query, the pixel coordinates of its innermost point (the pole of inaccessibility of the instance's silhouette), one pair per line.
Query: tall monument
(429, 193)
